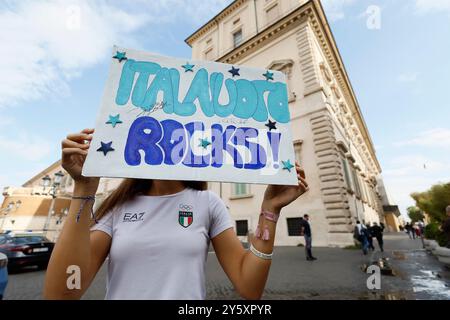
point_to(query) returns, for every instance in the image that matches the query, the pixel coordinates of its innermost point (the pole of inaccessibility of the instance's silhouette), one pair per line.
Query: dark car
(26, 250)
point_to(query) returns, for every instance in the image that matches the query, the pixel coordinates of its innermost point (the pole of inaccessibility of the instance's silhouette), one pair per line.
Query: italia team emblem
(185, 215)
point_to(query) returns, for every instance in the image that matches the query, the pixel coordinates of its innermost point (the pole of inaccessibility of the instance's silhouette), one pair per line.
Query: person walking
(421, 227)
(446, 226)
(370, 237)
(377, 232)
(360, 233)
(306, 230)
(410, 231)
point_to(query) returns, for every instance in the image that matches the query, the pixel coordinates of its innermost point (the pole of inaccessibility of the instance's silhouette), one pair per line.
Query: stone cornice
(214, 21)
(268, 34)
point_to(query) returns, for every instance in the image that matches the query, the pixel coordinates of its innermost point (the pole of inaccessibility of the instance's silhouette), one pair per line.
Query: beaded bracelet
(259, 254)
(83, 203)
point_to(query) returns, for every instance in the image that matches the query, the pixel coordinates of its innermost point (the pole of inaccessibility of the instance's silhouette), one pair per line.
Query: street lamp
(58, 177)
(53, 191)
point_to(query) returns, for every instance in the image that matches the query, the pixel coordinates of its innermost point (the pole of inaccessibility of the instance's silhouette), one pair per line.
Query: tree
(415, 214)
(434, 201)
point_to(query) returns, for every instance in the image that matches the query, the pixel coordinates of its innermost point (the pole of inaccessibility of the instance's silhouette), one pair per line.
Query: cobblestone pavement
(337, 274)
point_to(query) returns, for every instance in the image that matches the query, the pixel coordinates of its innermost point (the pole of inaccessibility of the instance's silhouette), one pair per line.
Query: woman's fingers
(299, 170)
(66, 143)
(302, 183)
(71, 151)
(302, 186)
(88, 131)
(79, 137)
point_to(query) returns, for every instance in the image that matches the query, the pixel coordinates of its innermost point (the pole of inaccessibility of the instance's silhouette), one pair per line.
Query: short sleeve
(105, 224)
(220, 219)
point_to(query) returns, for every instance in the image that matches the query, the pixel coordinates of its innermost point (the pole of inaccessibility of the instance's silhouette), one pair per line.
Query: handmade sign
(166, 118)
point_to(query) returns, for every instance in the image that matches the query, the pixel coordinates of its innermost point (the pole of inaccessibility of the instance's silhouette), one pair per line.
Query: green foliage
(433, 232)
(415, 214)
(434, 201)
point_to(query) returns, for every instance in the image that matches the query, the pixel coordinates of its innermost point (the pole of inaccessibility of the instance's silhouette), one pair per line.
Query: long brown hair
(129, 188)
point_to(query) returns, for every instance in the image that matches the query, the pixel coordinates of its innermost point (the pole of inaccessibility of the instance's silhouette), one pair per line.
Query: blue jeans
(308, 246)
(365, 244)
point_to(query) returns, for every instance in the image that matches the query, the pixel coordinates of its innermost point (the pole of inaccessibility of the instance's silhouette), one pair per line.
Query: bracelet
(260, 254)
(270, 215)
(264, 234)
(85, 200)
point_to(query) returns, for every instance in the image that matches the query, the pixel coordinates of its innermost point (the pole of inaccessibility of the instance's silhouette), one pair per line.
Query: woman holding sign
(156, 234)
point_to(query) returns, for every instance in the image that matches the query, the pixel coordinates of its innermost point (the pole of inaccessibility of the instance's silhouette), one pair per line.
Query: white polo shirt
(160, 244)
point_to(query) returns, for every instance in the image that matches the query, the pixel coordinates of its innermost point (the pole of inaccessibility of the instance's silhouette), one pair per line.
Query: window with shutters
(237, 38)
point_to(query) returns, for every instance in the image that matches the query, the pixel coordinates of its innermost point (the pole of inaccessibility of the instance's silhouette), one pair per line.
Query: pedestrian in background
(410, 230)
(446, 226)
(370, 237)
(360, 233)
(306, 230)
(421, 227)
(377, 232)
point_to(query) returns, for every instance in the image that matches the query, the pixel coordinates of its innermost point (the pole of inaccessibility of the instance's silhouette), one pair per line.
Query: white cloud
(406, 165)
(6, 121)
(406, 174)
(425, 6)
(46, 42)
(438, 137)
(335, 9)
(25, 147)
(408, 77)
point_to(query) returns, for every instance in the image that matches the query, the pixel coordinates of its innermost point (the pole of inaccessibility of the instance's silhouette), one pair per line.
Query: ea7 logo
(133, 217)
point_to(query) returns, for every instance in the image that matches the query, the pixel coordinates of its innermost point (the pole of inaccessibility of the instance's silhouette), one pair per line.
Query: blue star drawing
(204, 143)
(268, 75)
(271, 125)
(114, 120)
(120, 56)
(234, 71)
(105, 148)
(188, 67)
(287, 165)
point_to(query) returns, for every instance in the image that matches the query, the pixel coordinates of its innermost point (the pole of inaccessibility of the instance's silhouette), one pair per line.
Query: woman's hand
(277, 197)
(74, 150)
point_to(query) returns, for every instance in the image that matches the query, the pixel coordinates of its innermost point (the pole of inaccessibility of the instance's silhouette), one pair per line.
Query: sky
(54, 59)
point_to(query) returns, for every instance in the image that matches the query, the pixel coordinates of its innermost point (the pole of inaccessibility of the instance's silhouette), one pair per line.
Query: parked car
(26, 249)
(3, 274)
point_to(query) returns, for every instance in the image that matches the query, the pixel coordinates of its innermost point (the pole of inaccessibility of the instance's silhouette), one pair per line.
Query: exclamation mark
(274, 140)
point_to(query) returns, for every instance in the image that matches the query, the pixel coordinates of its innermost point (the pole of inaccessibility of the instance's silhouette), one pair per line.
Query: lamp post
(53, 192)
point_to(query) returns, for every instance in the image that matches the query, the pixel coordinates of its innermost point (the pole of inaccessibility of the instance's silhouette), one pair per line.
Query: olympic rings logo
(186, 207)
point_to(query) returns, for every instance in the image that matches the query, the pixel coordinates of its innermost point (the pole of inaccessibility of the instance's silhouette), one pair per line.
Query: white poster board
(167, 118)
